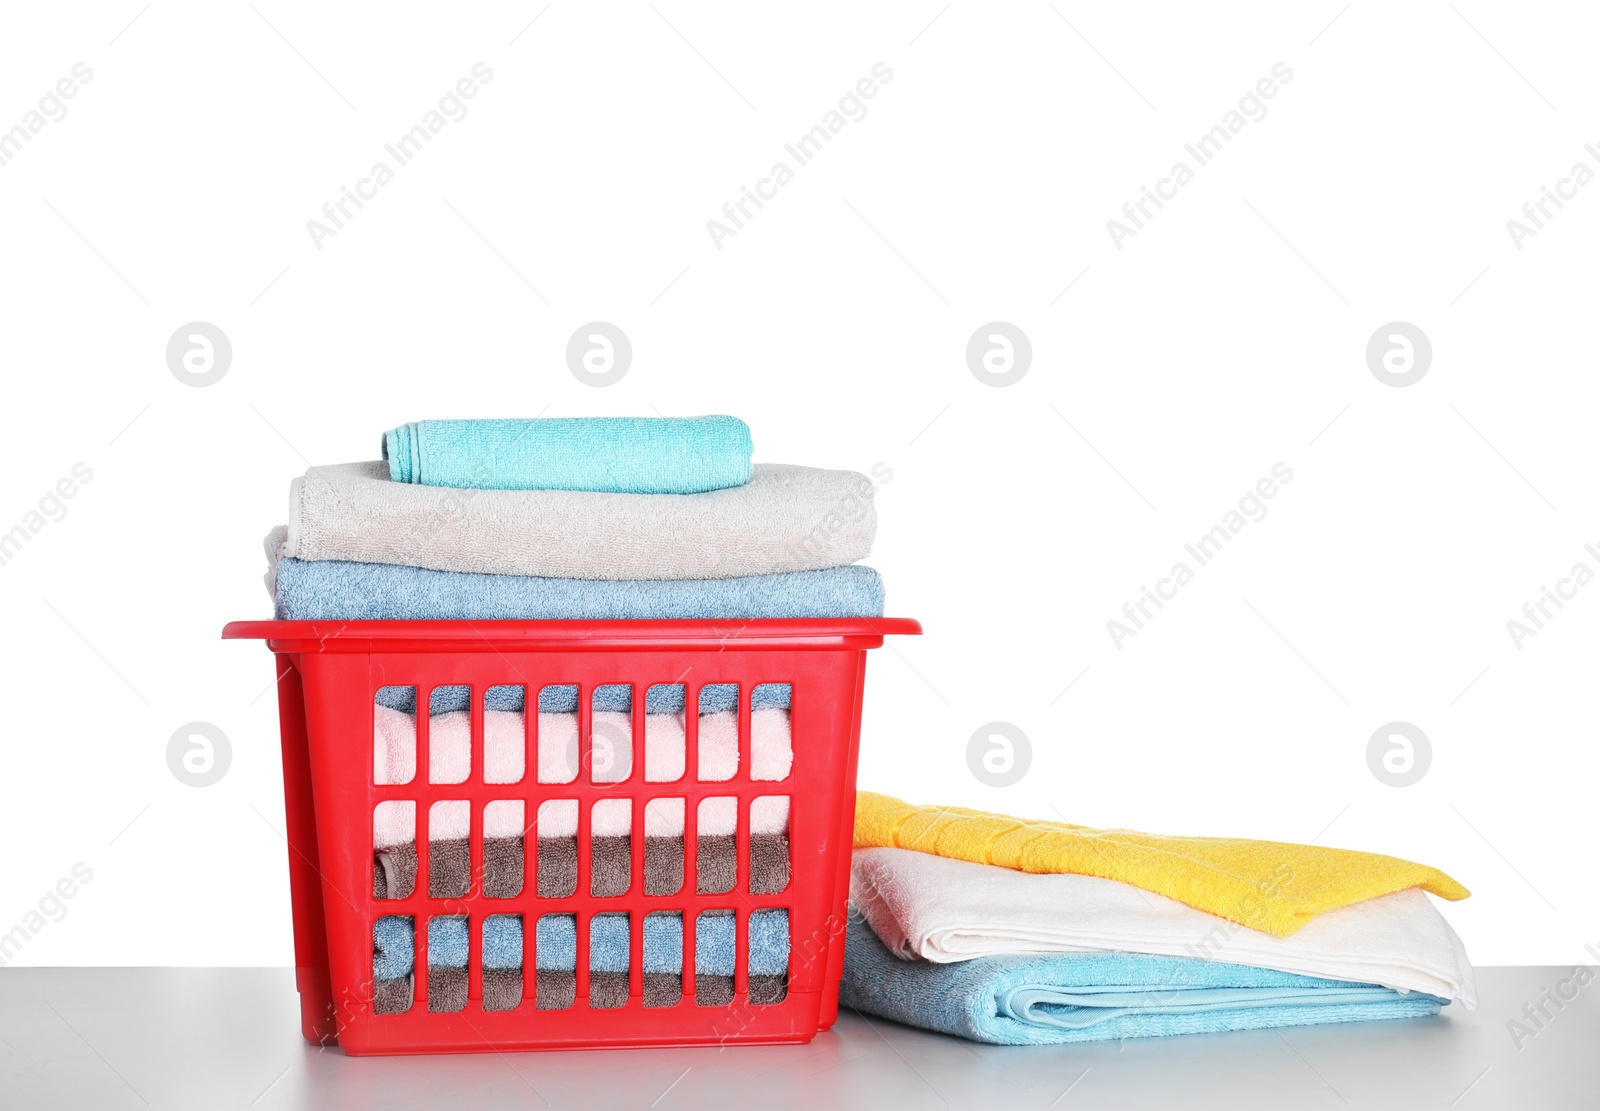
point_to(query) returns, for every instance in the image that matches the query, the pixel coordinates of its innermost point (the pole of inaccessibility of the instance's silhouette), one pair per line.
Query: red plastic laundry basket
(328, 676)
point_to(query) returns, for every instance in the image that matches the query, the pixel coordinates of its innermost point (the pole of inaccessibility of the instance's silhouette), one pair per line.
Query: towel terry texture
(786, 518)
(556, 942)
(562, 698)
(610, 867)
(609, 759)
(1269, 886)
(609, 958)
(555, 823)
(556, 959)
(447, 941)
(394, 873)
(619, 455)
(943, 910)
(1080, 997)
(333, 590)
(447, 963)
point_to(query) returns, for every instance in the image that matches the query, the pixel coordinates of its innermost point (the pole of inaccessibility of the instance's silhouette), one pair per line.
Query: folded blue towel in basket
(1081, 997)
(562, 698)
(447, 942)
(391, 947)
(612, 455)
(332, 590)
(556, 943)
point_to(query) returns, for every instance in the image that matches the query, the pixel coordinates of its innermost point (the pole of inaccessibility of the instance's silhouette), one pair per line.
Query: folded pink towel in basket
(611, 752)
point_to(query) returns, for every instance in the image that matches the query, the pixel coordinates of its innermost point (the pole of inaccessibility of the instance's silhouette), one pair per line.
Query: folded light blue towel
(447, 941)
(331, 590)
(1080, 997)
(769, 943)
(663, 942)
(556, 943)
(613, 455)
(608, 943)
(502, 941)
(391, 947)
(660, 698)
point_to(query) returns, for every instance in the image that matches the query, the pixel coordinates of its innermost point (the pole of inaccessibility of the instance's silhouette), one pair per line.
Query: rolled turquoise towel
(610, 455)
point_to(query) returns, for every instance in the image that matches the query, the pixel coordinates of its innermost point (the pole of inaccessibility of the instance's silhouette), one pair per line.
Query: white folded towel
(394, 822)
(394, 746)
(944, 910)
(611, 743)
(716, 817)
(786, 518)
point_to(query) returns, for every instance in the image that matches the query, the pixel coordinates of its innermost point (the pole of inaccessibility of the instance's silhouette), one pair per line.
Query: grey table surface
(117, 1038)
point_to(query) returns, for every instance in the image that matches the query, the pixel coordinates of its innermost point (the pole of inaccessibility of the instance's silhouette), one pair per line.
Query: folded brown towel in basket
(394, 872)
(449, 871)
(610, 869)
(447, 990)
(502, 870)
(608, 990)
(554, 989)
(502, 989)
(392, 997)
(716, 863)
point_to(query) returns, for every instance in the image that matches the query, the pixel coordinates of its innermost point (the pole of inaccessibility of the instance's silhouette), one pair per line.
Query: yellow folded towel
(1267, 885)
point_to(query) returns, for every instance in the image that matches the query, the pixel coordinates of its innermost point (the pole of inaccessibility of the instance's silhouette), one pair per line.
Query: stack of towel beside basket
(1030, 933)
(574, 519)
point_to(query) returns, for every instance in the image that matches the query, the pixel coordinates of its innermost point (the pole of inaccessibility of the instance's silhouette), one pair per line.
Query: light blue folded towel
(1080, 997)
(447, 941)
(769, 943)
(502, 941)
(613, 455)
(608, 943)
(660, 698)
(331, 590)
(663, 942)
(556, 943)
(391, 947)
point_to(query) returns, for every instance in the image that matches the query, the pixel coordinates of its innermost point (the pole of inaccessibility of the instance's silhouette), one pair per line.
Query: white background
(1226, 336)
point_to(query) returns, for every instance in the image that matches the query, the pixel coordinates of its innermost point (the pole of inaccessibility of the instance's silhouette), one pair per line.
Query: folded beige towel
(785, 518)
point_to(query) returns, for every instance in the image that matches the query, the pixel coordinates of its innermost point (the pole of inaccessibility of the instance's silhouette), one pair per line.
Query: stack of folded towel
(575, 519)
(578, 519)
(1028, 933)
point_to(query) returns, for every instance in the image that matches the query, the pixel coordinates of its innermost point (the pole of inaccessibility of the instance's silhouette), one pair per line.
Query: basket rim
(435, 632)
